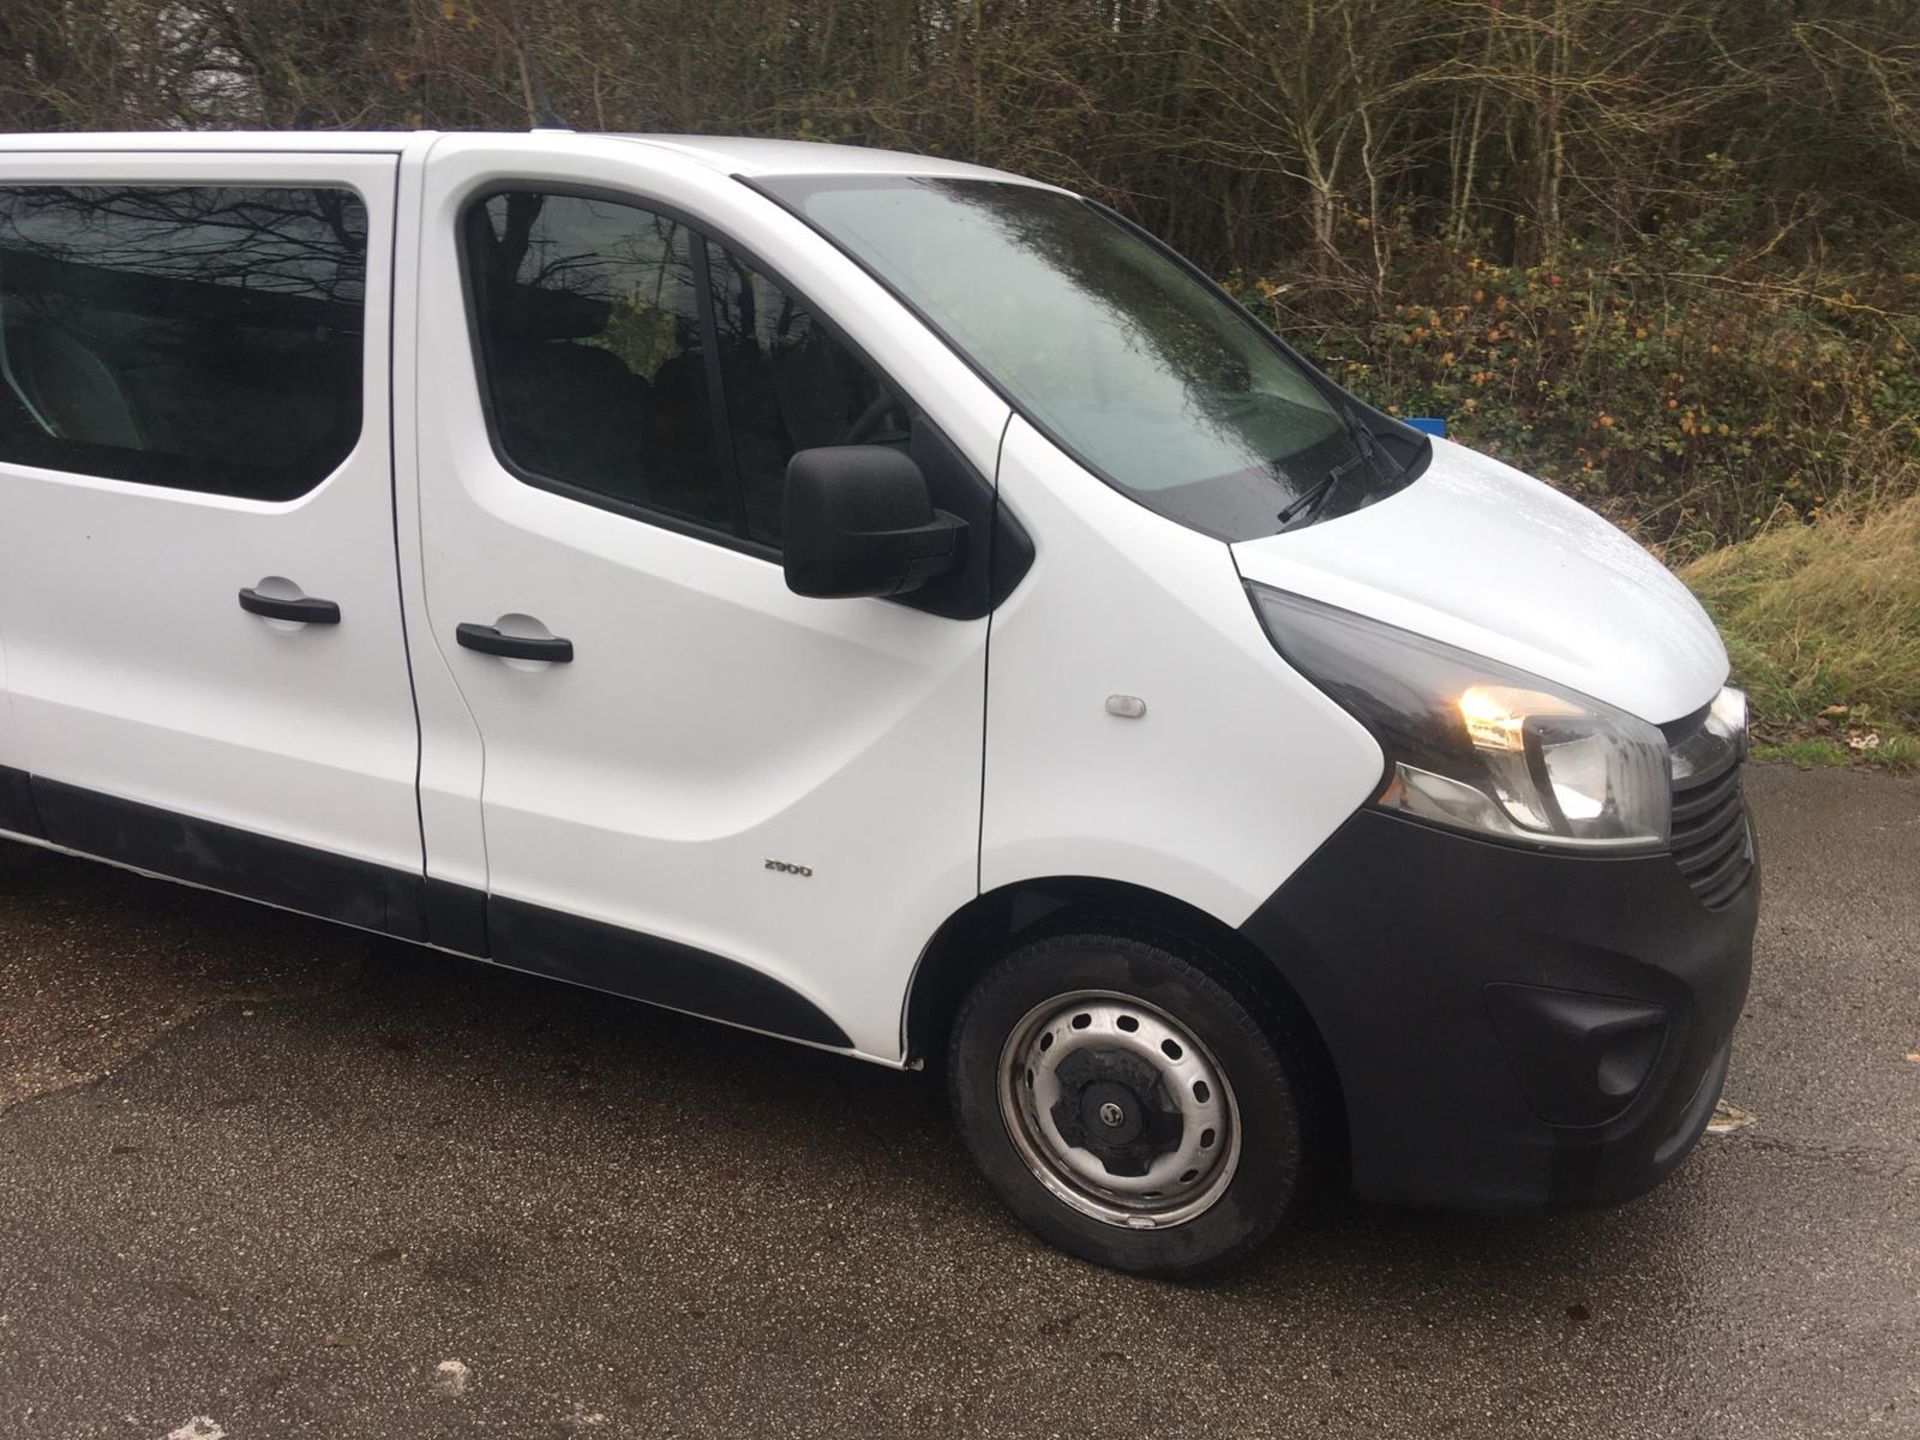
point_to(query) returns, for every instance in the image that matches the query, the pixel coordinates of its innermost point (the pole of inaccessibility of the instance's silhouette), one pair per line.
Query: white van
(875, 601)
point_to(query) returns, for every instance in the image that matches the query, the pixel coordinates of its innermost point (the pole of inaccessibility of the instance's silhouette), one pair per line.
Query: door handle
(489, 640)
(308, 610)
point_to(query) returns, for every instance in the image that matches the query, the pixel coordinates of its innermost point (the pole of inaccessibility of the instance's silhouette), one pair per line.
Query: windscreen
(1115, 349)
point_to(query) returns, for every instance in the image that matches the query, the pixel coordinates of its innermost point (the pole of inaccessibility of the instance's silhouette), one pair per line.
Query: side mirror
(859, 521)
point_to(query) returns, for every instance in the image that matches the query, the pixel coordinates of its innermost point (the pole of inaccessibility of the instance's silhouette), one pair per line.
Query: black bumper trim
(1390, 935)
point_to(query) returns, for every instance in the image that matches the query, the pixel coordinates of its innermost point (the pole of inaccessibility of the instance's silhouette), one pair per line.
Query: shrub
(1695, 401)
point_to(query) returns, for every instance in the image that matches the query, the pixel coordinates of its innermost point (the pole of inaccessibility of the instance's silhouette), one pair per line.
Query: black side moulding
(17, 811)
(410, 906)
(660, 972)
(239, 862)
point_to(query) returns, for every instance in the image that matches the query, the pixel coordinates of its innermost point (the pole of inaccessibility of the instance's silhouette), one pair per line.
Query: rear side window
(596, 370)
(206, 338)
(631, 362)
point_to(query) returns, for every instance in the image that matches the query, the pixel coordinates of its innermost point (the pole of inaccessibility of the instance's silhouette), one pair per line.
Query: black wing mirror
(859, 521)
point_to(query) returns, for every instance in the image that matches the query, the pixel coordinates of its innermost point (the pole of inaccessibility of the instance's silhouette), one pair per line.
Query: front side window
(1111, 346)
(604, 329)
(790, 385)
(203, 337)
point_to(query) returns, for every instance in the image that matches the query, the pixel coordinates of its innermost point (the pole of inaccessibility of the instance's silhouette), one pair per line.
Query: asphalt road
(263, 1178)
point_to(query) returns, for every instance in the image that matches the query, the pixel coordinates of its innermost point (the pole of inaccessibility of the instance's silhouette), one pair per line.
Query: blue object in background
(1431, 426)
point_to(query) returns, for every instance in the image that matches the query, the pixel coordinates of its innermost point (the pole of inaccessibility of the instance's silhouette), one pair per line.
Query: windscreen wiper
(1367, 442)
(1306, 504)
(1310, 501)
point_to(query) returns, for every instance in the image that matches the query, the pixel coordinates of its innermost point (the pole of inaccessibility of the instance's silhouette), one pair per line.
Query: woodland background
(1665, 255)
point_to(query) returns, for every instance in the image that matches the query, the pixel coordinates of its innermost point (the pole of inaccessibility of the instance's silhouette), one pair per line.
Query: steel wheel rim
(1123, 1037)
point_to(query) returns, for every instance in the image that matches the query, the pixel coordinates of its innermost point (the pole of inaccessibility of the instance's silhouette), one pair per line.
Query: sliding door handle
(307, 609)
(490, 640)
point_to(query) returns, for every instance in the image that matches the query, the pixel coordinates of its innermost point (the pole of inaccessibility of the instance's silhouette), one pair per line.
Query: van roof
(743, 156)
(378, 142)
(735, 155)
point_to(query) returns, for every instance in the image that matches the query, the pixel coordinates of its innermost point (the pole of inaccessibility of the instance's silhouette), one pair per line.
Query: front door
(198, 591)
(697, 787)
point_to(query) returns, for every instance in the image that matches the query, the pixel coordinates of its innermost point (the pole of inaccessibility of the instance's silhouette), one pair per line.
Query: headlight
(1719, 740)
(1475, 745)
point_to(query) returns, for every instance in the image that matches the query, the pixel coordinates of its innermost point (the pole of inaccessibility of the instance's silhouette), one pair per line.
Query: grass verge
(1822, 623)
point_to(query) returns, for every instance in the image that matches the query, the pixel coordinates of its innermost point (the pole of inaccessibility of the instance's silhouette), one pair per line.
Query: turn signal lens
(1496, 715)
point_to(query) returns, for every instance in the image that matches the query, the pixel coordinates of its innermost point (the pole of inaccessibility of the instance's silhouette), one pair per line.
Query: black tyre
(1130, 1103)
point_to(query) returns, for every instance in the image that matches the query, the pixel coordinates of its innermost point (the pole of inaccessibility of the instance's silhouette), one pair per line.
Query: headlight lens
(1476, 745)
(1719, 740)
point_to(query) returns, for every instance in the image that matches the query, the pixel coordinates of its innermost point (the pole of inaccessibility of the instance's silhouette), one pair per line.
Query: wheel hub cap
(1113, 1104)
(1119, 1110)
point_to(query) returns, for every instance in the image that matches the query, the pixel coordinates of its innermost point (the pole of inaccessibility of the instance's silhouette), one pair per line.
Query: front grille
(1711, 841)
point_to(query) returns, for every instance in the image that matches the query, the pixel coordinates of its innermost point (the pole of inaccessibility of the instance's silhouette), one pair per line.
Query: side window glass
(789, 386)
(589, 320)
(203, 337)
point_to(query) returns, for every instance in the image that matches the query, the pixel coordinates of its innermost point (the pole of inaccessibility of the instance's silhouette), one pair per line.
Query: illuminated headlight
(1478, 746)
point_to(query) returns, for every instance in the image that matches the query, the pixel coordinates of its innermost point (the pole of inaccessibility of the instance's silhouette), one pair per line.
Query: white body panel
(1482, 557)
(130, 668)
(712, 720)
(452, 758)
(1239, 768)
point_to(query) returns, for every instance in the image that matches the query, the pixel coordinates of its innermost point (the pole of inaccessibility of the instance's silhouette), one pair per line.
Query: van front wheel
(1128, 1105)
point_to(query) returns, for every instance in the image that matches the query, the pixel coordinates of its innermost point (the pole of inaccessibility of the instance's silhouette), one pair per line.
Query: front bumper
(1512, 1030)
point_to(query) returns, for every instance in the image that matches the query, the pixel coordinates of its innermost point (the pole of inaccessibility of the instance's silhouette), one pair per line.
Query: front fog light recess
(1476, 745)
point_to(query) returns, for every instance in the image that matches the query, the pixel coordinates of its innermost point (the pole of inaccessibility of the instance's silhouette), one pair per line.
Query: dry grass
(1822, 622)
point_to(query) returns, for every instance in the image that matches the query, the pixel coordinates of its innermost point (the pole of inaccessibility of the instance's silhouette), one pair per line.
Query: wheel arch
(982, 929)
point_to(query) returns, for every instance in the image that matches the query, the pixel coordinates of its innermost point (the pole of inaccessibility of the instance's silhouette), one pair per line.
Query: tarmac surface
(260, 1177)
